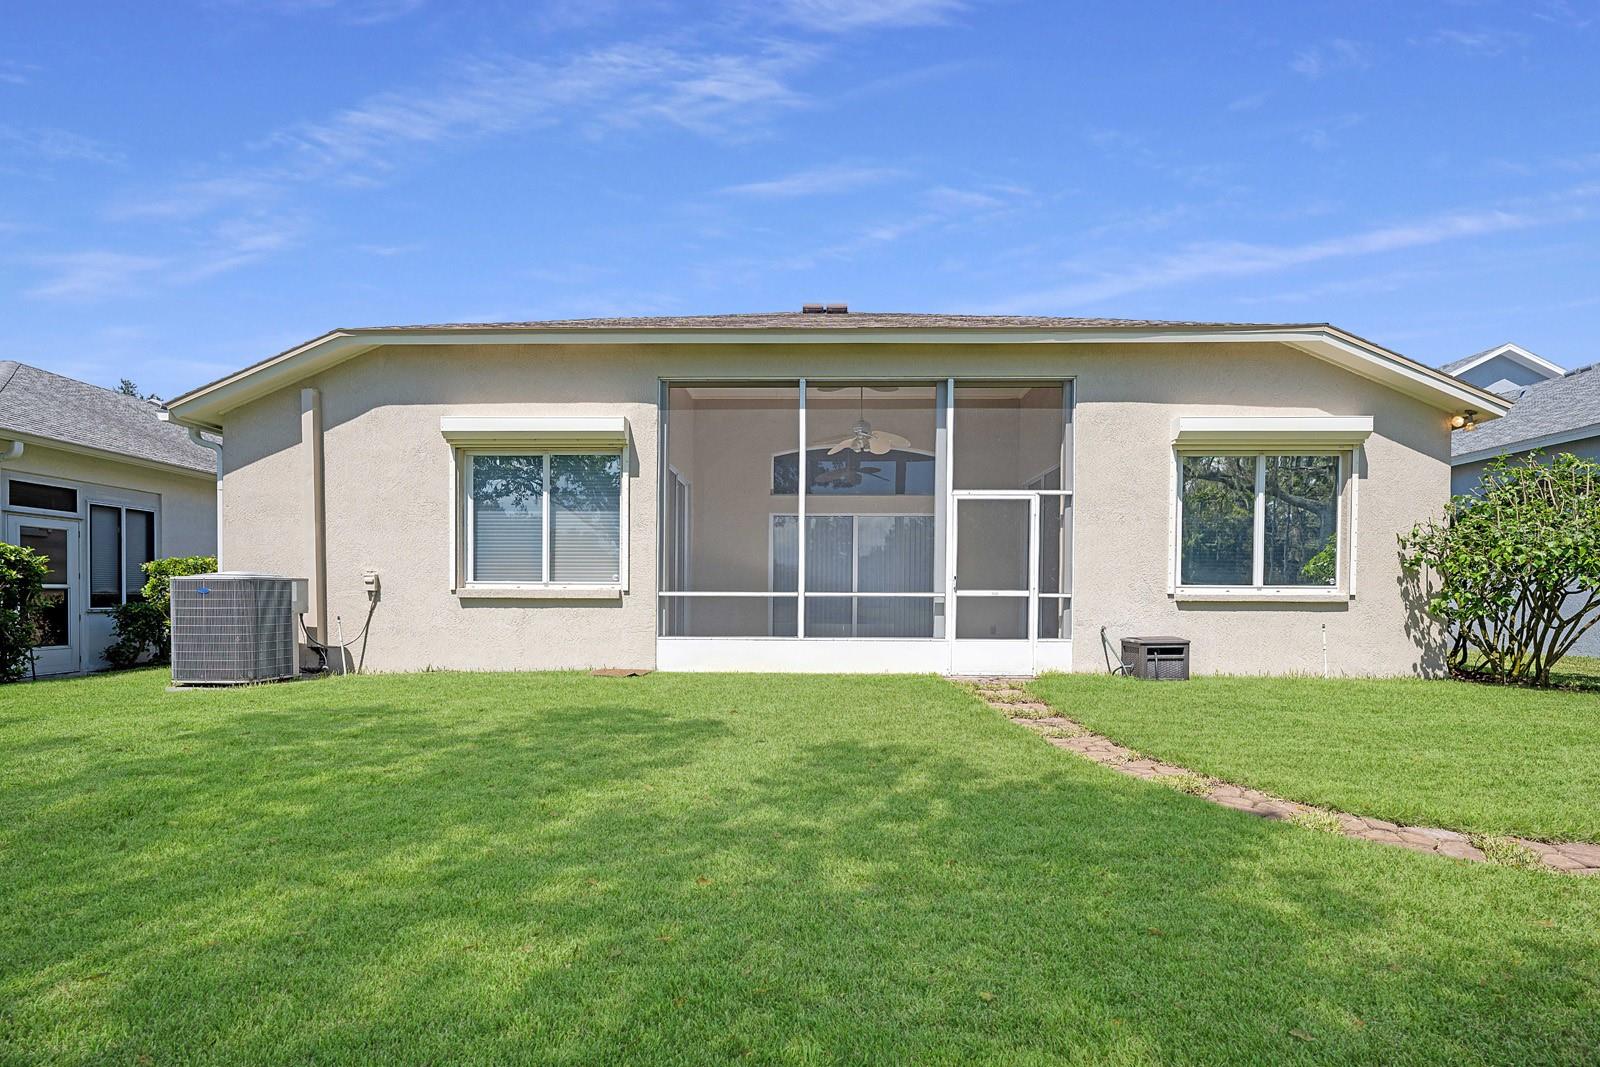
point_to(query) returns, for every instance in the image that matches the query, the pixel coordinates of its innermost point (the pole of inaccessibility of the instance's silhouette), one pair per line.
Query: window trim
(461, 484)
(1342, 588)
(89, 504)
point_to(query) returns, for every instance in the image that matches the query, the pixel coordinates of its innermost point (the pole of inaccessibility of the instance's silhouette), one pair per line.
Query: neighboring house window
(544, 519)
(1260, 521)
(121, 541)
(43, 497)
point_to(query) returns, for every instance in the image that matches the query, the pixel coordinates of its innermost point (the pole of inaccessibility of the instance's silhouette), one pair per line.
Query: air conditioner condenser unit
(235, 628)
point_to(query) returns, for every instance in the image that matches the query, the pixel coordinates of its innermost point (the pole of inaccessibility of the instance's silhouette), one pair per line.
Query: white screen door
(996, 593)
(57, 541)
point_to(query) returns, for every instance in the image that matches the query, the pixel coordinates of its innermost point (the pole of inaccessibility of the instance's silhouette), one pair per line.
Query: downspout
(14, 451)
(311, 438)
(216, 449)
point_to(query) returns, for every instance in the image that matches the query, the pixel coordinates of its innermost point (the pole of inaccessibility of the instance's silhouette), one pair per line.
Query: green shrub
(142, 627)
(1514, 569)
(22, 574)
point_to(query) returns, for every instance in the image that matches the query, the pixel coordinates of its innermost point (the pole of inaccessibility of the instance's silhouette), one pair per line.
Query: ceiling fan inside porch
(863, 438)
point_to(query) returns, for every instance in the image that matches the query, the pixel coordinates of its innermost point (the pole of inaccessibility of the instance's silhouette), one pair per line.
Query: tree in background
(128, 387)
(1517, 566)
(22, 575)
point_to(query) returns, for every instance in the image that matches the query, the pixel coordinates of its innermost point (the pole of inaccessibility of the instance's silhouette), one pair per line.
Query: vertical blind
(121, 542)
(512, 506)
(857, 553)
(105, 556)
(139, 544)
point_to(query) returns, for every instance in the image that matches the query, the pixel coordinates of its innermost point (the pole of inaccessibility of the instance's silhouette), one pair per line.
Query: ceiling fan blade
(842, 445)
(878, 444)
(894, 439)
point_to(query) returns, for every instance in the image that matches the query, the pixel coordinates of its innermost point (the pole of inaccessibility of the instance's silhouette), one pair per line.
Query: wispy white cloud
(1252, 102)
(817, 181)
(15, 73)
(1336, 55)
(1212, 260)
(351, 12)
(626, 85)
(839, 16)
(93, 275)
(1487, 43)
(106, 274)
(1320, 134)
(53, 146)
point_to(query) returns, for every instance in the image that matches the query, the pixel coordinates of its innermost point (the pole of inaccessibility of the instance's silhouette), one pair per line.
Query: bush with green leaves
(142, 628)
(1514, 568)
(22, 575)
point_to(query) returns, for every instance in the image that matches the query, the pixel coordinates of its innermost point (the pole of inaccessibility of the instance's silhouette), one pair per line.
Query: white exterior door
(59, 650)
(996, 591)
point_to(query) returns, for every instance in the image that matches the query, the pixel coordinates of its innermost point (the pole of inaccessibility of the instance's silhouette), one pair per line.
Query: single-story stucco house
(1552, 411)
(967, 494)
(99, 484)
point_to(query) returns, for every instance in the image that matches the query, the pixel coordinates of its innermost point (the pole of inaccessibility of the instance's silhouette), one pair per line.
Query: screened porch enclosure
(886, 512)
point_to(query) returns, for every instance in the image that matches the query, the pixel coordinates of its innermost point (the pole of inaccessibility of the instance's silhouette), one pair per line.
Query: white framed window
(1260, 522)
(544, 519)
(121, 541)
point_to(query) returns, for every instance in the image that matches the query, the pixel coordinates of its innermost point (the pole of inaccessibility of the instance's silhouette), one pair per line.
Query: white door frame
(68, 658)
(978, 655)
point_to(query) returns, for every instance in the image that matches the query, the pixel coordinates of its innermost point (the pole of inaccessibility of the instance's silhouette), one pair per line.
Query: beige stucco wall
(388, 504)
(186, 506)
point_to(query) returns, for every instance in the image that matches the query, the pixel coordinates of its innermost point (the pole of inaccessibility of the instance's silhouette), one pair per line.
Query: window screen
(105, 556)
(44, 497)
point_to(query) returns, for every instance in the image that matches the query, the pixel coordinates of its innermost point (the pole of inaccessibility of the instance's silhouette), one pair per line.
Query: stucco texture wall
(388, 504)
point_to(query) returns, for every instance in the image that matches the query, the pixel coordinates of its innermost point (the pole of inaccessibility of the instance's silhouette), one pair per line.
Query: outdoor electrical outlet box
(369, 581)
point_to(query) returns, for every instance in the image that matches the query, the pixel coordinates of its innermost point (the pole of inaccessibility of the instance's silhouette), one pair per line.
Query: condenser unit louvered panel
(235, 628)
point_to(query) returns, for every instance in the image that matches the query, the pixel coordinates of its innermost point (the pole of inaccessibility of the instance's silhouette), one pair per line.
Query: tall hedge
(22, 575)
(144, 628)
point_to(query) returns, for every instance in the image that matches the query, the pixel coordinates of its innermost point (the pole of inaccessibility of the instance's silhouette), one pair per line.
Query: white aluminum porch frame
(899, 655)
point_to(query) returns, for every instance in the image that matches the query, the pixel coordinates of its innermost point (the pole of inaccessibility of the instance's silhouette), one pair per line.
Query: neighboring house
(969, 494)
(1557, 412)
(99, 484)
(1504, 370)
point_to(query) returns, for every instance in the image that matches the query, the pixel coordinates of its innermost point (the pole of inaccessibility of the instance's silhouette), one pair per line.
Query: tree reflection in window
(1301, 513)
(898, 472)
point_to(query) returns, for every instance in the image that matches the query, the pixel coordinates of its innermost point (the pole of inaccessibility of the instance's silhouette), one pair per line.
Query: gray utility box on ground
(1161, 659)
(233, 628)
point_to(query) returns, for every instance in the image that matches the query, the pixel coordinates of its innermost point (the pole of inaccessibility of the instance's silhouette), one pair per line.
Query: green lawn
(558, 868)
(1490, 759)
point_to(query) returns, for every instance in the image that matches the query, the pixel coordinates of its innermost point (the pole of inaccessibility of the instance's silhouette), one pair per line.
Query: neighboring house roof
(40, 406)
(1549, 413)
(1508, 351)
(206, 405)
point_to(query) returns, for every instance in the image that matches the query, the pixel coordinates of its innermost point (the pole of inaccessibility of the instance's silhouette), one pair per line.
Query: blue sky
(189, 187)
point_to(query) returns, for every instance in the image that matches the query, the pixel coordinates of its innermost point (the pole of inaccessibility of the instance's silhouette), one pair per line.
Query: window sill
(537, 592)
(1260, 596)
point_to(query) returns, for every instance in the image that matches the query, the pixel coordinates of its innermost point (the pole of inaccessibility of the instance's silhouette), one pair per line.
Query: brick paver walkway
(1017, 704)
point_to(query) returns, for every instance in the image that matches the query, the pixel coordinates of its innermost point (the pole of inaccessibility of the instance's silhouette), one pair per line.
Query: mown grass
(683, 869)
(1478, 758)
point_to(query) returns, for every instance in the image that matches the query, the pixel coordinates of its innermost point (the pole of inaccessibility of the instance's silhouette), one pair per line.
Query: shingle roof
(1452, 367)
(1560, 405)
(843, 321)
(41, 404)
